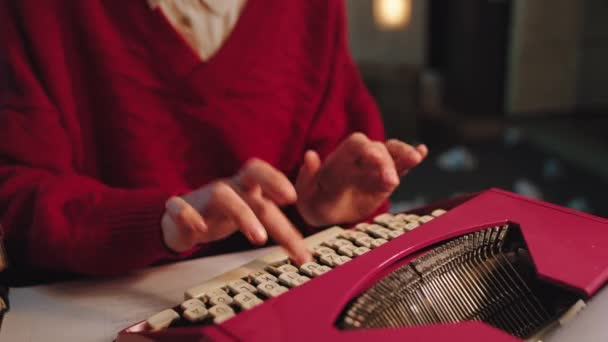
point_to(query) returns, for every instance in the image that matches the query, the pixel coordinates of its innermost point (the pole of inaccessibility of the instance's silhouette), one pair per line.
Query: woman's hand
(354, 180)
(248, 202)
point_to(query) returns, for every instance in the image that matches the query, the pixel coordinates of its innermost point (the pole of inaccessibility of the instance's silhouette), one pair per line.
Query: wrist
(170, 234)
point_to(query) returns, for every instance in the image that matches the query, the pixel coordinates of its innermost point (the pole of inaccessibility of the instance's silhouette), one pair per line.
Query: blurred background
(507, 94)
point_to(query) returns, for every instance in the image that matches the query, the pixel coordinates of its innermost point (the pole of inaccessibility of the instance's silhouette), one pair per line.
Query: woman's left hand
(354, 180)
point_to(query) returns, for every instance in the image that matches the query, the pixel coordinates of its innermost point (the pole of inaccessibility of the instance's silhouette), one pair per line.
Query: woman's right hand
(248, 202)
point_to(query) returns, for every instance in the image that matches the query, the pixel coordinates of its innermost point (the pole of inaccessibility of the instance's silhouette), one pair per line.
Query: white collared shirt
(203, 24)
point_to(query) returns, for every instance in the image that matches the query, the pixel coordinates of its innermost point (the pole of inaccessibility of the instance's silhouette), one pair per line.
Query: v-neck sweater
(105, 112)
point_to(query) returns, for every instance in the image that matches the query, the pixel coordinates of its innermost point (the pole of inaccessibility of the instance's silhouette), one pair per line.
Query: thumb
(308, 171)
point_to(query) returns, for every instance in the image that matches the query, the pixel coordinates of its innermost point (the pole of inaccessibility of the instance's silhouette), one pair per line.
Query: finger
(280, 229)
(375, 157)
(423, 149)
(228, 202)
(404, 155)
(275, 185)
(310, 168)
(183, 214)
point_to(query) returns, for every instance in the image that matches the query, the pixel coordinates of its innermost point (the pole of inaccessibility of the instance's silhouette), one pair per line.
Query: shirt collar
(217, 6)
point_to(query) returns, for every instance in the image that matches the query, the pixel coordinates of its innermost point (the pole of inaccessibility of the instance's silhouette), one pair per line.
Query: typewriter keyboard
(223, 297)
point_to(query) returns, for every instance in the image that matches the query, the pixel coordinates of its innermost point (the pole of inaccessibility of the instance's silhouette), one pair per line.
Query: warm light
(392, 14)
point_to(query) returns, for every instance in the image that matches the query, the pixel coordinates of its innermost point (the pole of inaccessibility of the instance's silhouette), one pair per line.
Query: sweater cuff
(130, 230)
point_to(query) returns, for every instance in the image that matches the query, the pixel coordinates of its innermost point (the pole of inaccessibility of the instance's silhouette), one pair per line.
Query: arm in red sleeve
(54, 216)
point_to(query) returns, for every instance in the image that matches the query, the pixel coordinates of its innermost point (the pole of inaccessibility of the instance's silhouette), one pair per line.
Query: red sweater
(105, 112)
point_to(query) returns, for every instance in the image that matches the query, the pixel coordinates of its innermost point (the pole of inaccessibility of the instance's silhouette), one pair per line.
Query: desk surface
(97, 310)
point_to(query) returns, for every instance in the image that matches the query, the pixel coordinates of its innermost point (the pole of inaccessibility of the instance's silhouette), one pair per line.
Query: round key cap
(309, 268)
(384, 218)
(401, 218)
(365, 242)
(221, 313)
(361, 226)
(347, 250)
(411, 226)
(321, 270)
(397, 225)
(395, 234)
(220, 299)
(378, 231)
(287, 268)
(192, 303)
(347, 235)
(271, 289)
(438, 212)
(162, 320)
(334, 260)
(341, 243)
(378, 242)
(261, 276)
(240, 286)
(360, 251)
(412, 218)
(247, 301)
(195, 314)
(425, 218)
(321, 250)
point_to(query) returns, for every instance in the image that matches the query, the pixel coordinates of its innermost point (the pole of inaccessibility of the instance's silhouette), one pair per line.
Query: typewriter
(492, 266)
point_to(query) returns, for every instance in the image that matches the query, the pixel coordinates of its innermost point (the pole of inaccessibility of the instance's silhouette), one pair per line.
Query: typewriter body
(492, 266)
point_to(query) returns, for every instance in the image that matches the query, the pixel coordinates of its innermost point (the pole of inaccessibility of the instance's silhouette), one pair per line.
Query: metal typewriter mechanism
(479, 267)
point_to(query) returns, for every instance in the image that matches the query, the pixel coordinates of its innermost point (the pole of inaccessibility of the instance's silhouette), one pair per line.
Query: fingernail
(260, 233)
(201, 226)
(390, 176)
(415, 155)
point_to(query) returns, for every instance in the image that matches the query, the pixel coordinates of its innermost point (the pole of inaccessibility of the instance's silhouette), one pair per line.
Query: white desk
(96, 310)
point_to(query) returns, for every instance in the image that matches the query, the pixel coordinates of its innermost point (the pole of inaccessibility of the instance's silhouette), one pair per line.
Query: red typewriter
(492, 266)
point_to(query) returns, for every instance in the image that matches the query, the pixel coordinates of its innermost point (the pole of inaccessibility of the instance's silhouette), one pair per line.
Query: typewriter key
(195, 314)
(309, 268)
(411, 226)
(378, 231)
(365, 242)
(322, 250)
(334, 260)
(384, 218)
(192, 303)
(287, 268)
(247, 301)
(271, 289)
(293, 279)
(412, 218)
(218, 296)
(323, 269)
(378, 242)
(341, 243)
(162, 320)
(425, 219)
(261, 276)
(347, 250)
(221, 313)
(397, 225)
(240, 286)
(438, 212)
(360, 251)
(361, 226)
(395, 233)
